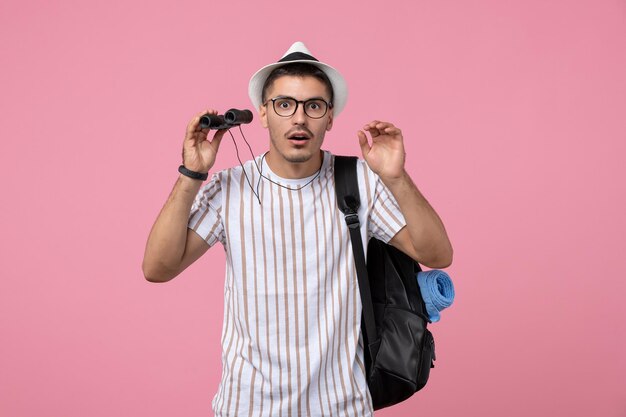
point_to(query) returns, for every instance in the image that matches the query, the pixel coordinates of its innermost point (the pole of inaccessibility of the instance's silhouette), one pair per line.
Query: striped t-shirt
(291, 342)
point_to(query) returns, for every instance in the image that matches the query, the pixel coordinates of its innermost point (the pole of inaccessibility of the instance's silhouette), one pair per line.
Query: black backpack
(399, 349)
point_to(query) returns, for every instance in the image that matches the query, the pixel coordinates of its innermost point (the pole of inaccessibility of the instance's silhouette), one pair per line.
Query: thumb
(365, 146)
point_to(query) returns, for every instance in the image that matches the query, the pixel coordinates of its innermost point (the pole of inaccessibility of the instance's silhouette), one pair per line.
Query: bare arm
(171, 246)
(424, 237)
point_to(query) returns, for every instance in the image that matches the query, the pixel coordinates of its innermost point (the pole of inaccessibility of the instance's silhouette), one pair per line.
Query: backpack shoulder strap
(349, 201)
(346, 185)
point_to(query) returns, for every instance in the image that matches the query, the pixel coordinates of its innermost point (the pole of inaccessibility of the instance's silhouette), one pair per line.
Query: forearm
(167, 239)
(426, 230)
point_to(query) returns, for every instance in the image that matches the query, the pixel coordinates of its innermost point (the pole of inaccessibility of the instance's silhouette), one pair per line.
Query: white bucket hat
(299, 53)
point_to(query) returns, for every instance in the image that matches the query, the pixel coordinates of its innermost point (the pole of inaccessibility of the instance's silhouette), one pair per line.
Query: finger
(363, 142)
(219, 135)
(383, 125)
(207, 111)
(371, 127)
(217, 139)
(384, 128)
(372, 130)
(195, 122)
(392, 130)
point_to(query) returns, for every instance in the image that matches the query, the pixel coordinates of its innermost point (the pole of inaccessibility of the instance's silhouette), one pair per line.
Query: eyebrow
(312, 98)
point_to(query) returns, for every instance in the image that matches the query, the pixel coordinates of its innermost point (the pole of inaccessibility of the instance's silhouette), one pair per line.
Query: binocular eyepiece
(232, 117)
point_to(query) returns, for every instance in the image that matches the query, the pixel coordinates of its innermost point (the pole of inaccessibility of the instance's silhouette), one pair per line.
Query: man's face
(297, 138)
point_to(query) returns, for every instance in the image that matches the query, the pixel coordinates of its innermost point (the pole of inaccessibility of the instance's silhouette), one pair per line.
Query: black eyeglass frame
(304, 102)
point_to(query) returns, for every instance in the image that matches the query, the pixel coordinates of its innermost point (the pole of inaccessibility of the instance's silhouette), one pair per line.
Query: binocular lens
(232, 117)
(212, 121)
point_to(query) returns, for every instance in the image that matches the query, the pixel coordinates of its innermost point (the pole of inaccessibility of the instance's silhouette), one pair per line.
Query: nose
(299, 117)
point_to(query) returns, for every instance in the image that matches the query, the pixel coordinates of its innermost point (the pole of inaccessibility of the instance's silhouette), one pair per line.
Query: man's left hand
(385, 155)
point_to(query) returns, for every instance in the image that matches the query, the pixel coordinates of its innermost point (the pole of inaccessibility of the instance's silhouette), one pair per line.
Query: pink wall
(514, 115)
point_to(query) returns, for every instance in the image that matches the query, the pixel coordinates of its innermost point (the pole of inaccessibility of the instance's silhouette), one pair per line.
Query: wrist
(188, 185)
(396, 180)
(195, 175)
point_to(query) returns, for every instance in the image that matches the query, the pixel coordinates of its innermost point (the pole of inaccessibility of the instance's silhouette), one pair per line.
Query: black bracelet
(193, 174)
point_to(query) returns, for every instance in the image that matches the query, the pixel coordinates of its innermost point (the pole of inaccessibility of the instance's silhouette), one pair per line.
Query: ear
(330, 119)
(263, 115)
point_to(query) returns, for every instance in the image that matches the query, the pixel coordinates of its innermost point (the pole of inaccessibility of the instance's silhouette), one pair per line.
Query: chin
(298, 157)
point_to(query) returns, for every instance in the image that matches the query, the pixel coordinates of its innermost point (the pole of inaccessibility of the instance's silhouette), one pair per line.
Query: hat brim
(340, 88)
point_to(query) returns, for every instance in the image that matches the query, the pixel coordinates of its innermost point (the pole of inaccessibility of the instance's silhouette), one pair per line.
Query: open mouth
(299, 138)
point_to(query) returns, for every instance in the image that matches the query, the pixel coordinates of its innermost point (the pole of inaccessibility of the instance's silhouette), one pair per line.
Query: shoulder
(369, 182)
(229, 179)
(236, 172)
(361, 164)
(367, 178)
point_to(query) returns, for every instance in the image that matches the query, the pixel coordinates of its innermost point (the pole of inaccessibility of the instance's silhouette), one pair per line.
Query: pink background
(514, 116)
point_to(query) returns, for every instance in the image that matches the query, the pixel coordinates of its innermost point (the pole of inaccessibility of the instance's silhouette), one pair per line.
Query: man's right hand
(198, 152)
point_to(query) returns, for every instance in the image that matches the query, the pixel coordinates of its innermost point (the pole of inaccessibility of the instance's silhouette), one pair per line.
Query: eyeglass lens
(286, 106)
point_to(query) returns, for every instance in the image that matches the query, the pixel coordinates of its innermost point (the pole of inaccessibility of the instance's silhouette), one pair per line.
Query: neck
(293, 170)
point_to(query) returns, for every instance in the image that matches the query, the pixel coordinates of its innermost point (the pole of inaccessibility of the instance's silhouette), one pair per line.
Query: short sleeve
(205, 216)
(385, 218)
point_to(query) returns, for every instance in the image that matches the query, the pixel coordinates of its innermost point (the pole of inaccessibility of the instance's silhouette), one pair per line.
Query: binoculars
(232, 117)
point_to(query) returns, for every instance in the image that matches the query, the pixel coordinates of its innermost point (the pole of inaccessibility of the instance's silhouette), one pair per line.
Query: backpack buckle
(352, 220)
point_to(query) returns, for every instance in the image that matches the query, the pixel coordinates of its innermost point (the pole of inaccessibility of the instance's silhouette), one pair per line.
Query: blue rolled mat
(437, 291)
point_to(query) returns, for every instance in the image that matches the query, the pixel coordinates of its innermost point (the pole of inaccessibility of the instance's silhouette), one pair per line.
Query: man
(291, 338)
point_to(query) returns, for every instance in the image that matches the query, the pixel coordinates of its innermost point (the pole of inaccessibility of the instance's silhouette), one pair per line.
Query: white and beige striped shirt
(291, 341)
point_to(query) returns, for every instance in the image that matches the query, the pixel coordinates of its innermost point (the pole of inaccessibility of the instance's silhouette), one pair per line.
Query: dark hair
(298, 69)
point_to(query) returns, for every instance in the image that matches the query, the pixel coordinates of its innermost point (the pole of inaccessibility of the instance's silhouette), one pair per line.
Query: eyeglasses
(315, 108)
